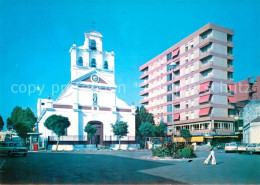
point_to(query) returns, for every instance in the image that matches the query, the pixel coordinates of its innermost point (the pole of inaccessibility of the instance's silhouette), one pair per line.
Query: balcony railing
(210, 62)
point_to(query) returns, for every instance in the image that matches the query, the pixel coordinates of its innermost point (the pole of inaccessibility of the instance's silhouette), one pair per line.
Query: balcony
(144, 93)
(210, 62)
(145, 75)
(144, 102)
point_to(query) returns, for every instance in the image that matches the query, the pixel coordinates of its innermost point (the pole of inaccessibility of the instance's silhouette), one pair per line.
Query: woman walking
(213, 160)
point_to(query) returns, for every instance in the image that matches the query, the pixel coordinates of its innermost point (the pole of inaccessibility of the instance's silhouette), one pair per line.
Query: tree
(16, 115)
(120, 129)
(159, 130)
(142, 116)
(185, 133)
(146, 129)
(91, 130)
(22, 121)
(9, 124)
(58, 125)
(1, 123)
(22, 130)
(29, 117)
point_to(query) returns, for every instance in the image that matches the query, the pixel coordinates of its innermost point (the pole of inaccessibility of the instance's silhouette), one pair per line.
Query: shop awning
(231, 99)
(191, 139)
(176, 116)
(175, 52)
(204, 86)
(225, 136)
(197, 139)
(204, 111)
(231, 87)
(179, 139)
(204, 99)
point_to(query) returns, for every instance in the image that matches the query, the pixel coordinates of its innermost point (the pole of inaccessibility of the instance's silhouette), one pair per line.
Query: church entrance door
(98, 138)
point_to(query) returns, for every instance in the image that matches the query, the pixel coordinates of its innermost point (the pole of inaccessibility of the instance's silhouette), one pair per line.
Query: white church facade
(90, 97)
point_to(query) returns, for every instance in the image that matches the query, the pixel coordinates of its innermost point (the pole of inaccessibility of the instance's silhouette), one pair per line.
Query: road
(125, 167)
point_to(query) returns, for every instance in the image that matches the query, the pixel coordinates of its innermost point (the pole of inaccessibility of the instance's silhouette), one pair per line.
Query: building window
(187, 70)
(191, 44)
(186, 105)
(169, 97)
(92, 44)
(230, 76)
(80, 61)
(192, 115)
(93, 63)
(186, 59)
(105, 66)
(229, 38)
(95, 99)
(192, 103)
(169, 108)
(169, 118)
(169, 87)
(192, 67)
(186, 81)
(169, 77)
(192, 56)
(229, 50)
(192, 91)
(192, 79)
(169, 56)
(186, 47)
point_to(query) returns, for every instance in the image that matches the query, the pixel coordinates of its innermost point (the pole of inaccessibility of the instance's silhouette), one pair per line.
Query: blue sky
(35, 38)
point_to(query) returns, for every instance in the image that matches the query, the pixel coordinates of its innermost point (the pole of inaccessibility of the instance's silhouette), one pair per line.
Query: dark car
(12, 148)
(220, 146)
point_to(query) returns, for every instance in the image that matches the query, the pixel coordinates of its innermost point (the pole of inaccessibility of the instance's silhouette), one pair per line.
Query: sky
(35, 38)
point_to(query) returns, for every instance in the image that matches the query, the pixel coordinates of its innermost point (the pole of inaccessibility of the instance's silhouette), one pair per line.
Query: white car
(230, 147)
(257, 148)
(241, 148)
(251, 148)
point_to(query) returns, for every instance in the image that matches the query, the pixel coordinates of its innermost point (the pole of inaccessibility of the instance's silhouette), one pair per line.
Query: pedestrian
(194, 144)
(211, 155)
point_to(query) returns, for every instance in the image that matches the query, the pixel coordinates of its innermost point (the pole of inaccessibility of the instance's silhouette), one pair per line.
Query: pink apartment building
(190, 85)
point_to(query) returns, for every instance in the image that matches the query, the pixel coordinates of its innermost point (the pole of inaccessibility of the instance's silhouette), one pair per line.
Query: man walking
(213, 161)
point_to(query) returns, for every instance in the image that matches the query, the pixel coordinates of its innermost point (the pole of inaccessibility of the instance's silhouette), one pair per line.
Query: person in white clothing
(213, 161)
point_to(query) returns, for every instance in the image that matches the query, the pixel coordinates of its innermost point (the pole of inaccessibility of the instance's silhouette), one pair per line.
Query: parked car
(12, 148)
(241, 148)
(251, 148)
(230, 147)
(220, 146)
(257, 148)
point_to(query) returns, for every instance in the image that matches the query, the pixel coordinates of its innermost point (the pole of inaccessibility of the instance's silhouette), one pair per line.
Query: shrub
(186, 152)
(175, 150)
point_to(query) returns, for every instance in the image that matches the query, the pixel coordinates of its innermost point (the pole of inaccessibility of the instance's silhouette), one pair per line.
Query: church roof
(93, 32)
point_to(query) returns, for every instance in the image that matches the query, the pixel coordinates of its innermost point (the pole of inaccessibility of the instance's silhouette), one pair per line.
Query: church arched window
(92, 44)
(105, 66)
(93, 63)
(95, 100)
(80, 61)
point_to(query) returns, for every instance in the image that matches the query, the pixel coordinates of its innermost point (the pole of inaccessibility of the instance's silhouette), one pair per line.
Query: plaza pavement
(128, 167)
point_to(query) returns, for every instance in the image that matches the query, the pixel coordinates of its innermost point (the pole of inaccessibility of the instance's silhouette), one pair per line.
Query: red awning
(231, 99)
(204, 111)
(204, 99)
(176, 116)
(175, 52)
(231, 87)
(204, 86)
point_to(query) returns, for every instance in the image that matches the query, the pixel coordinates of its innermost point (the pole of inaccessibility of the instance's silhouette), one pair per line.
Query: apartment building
(190, 85)
(246, 90)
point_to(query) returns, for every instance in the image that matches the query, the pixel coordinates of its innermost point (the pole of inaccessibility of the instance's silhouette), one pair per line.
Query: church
(90, 97)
